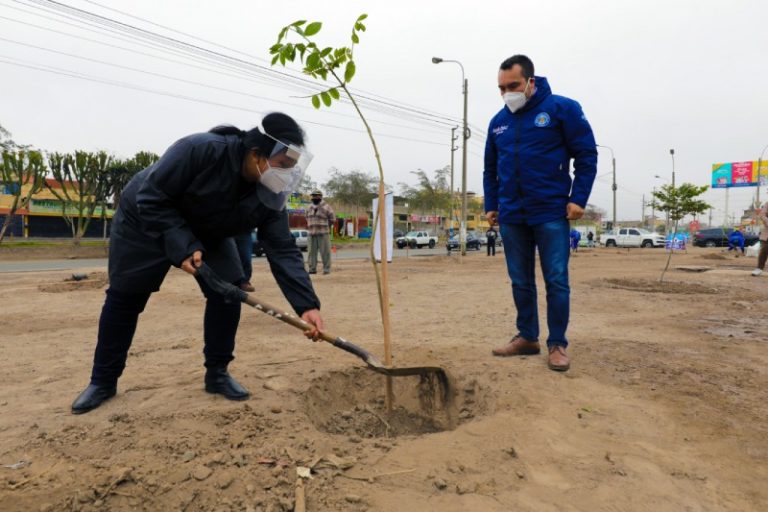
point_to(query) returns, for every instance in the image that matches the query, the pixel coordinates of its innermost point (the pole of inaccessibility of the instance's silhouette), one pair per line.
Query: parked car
(416, 239)
(302, 238)
(258, 248)
(718, 237)
(473, 242)
(632, 237)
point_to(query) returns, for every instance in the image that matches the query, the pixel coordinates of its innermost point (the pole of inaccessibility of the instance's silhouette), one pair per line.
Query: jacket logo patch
(541, 120)
(500, 129)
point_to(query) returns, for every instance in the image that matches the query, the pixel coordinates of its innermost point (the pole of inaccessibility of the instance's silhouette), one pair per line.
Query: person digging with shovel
(183, 211)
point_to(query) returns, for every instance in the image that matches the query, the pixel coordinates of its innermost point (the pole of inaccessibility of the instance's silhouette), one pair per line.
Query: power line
(81, 76)
(210, 54)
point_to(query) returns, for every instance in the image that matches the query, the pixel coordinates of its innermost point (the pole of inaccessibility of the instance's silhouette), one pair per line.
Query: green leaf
(334, 93)
(362, 28)
(362, 17)
(350, 71)
(312, 28)
(323, 73)
(313, 61)
(298, 23)
(326, 51)
(282, 34)
(315, 101)
(275, 48)
(275, 58)
(355, 39)
(326, 98)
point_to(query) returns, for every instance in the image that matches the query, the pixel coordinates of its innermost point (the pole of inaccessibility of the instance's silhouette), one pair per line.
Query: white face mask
(279, 180)
(516, 100)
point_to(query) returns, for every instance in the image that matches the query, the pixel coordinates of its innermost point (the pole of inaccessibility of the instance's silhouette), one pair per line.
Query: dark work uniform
(490, 235)
(193, 198)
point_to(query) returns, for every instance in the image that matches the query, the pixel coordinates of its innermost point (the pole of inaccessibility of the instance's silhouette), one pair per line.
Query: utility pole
(653, 211)
(710, 218)
(613, 185)
(642, 215)
(759, 174)
(454, 138)
(463, 236)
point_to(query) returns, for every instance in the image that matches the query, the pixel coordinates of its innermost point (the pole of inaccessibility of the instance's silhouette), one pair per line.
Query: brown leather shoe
(558, 359)
(518, 346)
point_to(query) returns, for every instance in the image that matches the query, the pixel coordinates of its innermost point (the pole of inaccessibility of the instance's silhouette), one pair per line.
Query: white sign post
(389, 215)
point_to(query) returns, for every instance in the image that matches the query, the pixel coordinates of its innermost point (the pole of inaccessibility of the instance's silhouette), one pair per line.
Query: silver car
(301, 236)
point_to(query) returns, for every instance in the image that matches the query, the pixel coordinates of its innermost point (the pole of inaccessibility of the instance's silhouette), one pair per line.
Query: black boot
(92, 397)
(218, 380)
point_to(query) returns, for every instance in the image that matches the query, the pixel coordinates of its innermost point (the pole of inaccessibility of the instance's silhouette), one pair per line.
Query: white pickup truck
(416, 239)
(632, 237)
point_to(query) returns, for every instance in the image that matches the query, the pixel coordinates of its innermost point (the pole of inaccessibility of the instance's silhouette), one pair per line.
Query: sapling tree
(337, 66)
(678, 202)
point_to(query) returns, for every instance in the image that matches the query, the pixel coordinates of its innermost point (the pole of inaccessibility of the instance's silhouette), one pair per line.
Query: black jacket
(195, 194)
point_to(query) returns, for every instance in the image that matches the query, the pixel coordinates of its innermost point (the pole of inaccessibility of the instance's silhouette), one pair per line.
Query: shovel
(235, 294)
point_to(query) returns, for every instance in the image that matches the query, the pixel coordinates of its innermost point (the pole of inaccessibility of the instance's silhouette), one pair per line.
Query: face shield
(286, 166)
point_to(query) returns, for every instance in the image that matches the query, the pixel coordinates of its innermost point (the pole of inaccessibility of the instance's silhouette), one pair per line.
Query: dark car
(472, 242)
(718, 237)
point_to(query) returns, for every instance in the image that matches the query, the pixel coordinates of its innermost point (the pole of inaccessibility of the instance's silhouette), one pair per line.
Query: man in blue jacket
(530, 193)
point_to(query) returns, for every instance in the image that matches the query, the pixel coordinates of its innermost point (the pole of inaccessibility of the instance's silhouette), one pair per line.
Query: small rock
(276, 410)
(511, 452)
(250, 489)
(46, 507)
(355, 439)
(520, 474)
(188, 456)
(466, 488)
(225, 482)
(346, 415)
(441, 484)
(202, 472)
(98, 503)
(353, 498)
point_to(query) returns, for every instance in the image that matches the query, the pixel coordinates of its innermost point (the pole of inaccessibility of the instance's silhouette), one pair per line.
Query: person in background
(490, 235)
(244, 244)
(575, 239)
(736, 241)
(320, 218)
(528, 189)
(590, 239)
(762, 221)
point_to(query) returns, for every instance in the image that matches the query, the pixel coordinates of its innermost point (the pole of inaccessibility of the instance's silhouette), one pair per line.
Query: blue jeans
(520, 243)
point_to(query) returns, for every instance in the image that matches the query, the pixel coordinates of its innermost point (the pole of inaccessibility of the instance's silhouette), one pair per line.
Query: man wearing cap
(320, 218)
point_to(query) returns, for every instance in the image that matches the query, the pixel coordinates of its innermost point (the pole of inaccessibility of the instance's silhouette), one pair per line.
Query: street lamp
(613, 187)
(466, 135)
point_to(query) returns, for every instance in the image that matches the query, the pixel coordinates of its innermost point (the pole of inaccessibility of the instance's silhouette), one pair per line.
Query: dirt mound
(713, 256)
(651, 286)
(76, 282)
(353, 403)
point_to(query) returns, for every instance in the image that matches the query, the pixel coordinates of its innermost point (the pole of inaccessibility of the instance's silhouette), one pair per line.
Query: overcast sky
(650, 76)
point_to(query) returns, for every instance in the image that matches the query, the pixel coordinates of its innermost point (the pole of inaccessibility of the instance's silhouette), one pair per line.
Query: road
(73, 264)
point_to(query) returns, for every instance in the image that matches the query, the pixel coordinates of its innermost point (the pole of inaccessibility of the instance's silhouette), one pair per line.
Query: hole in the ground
(353, 402)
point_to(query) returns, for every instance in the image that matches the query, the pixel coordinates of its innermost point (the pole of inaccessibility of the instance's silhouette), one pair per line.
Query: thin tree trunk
(671, 250)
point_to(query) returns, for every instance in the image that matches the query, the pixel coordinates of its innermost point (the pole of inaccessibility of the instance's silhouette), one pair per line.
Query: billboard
(738, 174)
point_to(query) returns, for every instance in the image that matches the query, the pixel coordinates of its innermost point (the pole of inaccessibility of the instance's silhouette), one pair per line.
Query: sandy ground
(665, 407)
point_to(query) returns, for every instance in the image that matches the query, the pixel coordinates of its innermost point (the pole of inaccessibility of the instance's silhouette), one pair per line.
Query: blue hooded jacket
(527, 159)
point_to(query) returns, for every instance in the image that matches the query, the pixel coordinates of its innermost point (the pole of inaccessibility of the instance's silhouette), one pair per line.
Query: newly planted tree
(337, 65)
(679, 202)
(22, 173)
(82, 184)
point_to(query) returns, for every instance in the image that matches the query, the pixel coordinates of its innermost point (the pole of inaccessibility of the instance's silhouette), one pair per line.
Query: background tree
(678, 202)
(594, 214)
(20, 168)
(354, 188)
(120, 172)
(307, 185)
(83, 182)
(431, 195)
(6, 142)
